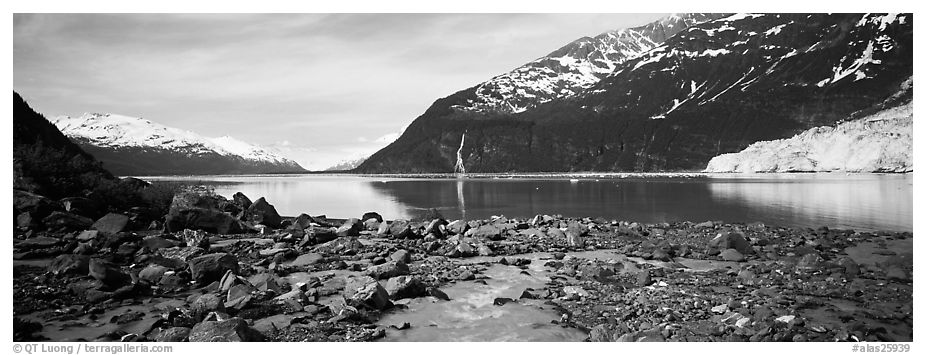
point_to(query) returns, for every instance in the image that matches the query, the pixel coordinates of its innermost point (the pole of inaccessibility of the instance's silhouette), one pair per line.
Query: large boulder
(302, 221)
(108, 274)
(731, 240)
(489, 231)
(810, 262)
(155, 242)
(191, 199)
(364, 291)
(238, 296)
(400, 287)
(373, 215)
(209, 220)
(134, 183)
(437, 228)
(265, 282)
(575, 235)
(400, 229)
(39, 242)
(241, 200)
(343, 246)
(37, 205)
(82, 206)
(458, 227)
(70, 264)
(26, 221)
(401, 255)
(205, 303)
(350, 228)
(191, 210)
(195, 238)
(152, 273)
(850, 266)
(307, 259)
(261, 212)
(111, 223)
(387, 270)
(211, 267)
(732, 255)
(230, 330)
(315, 234)
(64, 221)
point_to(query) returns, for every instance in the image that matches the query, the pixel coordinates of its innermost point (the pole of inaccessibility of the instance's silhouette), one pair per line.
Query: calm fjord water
(854, 201)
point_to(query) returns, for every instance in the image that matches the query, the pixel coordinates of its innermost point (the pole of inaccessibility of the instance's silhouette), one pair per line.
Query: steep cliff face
(713, 88)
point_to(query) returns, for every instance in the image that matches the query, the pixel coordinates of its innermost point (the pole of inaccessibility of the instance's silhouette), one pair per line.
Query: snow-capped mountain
(712, 88)
(574, 67)
(134, 146)
(345, 165)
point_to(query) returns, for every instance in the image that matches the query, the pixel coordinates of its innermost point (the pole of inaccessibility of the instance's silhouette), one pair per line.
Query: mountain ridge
(573, 67)
(136, 146)
(713, 88)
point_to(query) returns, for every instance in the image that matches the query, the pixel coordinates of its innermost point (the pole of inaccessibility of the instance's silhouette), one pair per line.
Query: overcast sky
(321, 87)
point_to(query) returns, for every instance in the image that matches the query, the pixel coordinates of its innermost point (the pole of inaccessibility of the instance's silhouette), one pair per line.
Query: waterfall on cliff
(459, 168)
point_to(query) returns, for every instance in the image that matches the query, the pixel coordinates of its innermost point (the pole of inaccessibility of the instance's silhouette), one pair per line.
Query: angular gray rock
(211, 267)
(730, 240)
(400, 287)
(261, 212)
(70, 264)
(230, 330)
(364, 291)
(64, 221)
(111, 223)
(387, 270)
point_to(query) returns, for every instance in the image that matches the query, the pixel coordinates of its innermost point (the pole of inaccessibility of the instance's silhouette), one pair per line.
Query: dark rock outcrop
(230, 330)
(211, 267)
(261, 212)
(190, 210)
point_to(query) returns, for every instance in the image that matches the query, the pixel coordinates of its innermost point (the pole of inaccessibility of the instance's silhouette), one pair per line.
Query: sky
(321, 88)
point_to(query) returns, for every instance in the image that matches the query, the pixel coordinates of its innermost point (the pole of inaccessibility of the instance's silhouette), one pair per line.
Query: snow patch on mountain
(347, 164)
(882, 142)
(118, 131)
(574, 67)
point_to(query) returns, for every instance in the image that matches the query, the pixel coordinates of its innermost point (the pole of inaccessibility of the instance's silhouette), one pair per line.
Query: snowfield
(882, 142)
(117, 131)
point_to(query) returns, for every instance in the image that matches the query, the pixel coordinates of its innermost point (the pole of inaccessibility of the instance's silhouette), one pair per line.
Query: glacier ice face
(882, 142)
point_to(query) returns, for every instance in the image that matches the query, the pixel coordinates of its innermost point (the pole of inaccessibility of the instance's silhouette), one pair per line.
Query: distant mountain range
(136, 146)
(347, 164)
(668, 96)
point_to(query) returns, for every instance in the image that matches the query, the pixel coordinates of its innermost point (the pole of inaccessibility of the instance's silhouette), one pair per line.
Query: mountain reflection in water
(856, 201)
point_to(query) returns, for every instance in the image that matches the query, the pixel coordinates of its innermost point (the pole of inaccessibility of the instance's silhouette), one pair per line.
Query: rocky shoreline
(215, 269)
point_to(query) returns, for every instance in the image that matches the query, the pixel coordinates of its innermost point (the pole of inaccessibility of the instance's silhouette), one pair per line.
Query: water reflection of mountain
(629, 199)
(334, 196)
(863, 202)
